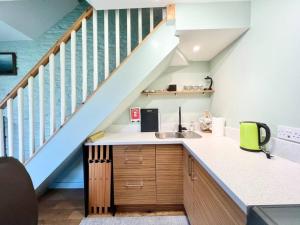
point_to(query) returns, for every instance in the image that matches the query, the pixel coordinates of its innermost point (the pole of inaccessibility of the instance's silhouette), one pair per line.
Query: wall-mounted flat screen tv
(8, 63)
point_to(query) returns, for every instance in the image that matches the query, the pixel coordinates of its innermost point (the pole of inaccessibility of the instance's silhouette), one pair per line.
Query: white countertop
(249, 178)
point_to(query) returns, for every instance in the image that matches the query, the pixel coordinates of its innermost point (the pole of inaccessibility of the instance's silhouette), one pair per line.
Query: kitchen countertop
(248, 178)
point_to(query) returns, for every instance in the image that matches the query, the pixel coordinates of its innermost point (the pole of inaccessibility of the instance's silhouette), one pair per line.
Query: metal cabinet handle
(190, 166)
(132, 161)
(141, 185)
(193, 177)
(139, 149)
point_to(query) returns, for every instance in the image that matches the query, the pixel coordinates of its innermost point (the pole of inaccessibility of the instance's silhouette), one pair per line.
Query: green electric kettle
(251, 138)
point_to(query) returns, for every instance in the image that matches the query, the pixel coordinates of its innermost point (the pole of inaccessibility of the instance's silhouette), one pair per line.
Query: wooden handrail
(45, 59)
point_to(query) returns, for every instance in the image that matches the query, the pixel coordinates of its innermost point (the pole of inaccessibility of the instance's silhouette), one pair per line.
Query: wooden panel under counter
(212, 204)
(205, 201)
(169, 179)
(188, 187)
(134, 174)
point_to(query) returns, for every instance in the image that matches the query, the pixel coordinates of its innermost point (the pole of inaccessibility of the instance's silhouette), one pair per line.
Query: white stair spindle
(62, 54)
(117, 21)
(31, 116)
(20, 124)
(2, 150)
(84, 60)
(128, 32)
(140, 25)
(52, 93)
(41, 106)
(73, 72)
(164, 13)
(151, 19)
(10, 127)
(95, 48)
(106, 45)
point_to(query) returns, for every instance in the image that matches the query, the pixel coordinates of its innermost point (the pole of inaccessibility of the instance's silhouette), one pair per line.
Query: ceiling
(8, 33)
(120, 4)
(203, 45)
(28, 19)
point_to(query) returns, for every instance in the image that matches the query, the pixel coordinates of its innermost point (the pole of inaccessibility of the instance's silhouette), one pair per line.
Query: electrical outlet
(289, 133)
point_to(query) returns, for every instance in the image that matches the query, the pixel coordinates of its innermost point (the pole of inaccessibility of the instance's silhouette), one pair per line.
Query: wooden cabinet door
(188, 186)
(169, 181)
(211, 204)
(134, 174)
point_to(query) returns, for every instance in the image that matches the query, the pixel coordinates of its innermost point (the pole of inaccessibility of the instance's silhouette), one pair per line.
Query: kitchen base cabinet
(169, 182)
(134, 174)
(205, 201)
(148, 174)
(152, 177)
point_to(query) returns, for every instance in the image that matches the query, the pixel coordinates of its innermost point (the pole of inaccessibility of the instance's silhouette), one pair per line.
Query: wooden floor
(66, 207)
(61, 207)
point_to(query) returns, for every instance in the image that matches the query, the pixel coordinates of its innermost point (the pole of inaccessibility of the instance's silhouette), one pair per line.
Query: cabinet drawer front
(134, 191)
(134, 156)
(131, 173)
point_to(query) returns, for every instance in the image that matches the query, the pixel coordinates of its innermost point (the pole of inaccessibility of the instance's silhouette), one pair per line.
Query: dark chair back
(18, 202)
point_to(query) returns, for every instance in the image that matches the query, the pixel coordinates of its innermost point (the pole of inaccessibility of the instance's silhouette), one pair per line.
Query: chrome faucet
(180, 127)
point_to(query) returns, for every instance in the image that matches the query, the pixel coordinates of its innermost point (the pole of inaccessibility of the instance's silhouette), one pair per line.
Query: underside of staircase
(108, 99)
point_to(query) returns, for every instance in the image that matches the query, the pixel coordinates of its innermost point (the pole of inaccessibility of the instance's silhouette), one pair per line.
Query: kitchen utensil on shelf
(187, 87)
(205, 121)
(192, 87)
(211, 83)
(251, 138)
(172, 87)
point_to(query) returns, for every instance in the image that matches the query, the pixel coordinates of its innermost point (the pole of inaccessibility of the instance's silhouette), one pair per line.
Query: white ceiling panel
(121, 4)
(8, 33)
(33, 17)
(203, 45)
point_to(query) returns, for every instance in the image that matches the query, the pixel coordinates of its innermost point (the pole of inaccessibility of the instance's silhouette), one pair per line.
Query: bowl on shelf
(192, 87)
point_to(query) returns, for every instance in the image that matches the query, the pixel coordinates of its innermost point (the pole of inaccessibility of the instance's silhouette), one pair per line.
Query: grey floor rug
(141, 220)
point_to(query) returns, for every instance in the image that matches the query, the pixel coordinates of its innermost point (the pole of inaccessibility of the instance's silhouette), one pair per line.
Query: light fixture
(154, 44)
(196, 48)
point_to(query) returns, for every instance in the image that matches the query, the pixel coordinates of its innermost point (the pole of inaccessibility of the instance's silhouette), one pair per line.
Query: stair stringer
(144, 64)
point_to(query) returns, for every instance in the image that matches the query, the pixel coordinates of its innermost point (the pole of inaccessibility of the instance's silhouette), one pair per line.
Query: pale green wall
(258, 77)
(192, 106)
(212, 15)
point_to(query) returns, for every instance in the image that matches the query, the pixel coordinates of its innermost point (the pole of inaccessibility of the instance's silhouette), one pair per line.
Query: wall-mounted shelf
(183, 92)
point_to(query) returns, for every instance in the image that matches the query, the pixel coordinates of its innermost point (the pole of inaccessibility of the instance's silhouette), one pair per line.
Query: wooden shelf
(184, 92)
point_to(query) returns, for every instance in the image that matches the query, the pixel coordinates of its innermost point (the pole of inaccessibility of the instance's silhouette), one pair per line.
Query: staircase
(93, 101)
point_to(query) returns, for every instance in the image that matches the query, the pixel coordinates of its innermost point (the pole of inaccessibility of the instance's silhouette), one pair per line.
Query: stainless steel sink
(164, 135)
(186, 134)
(190, 134)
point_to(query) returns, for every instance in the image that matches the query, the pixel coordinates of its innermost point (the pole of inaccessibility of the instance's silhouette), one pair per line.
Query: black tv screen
(8, 63)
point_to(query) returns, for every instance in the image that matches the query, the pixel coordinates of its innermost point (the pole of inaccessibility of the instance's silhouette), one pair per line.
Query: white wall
(258, 77)
(192, 105)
